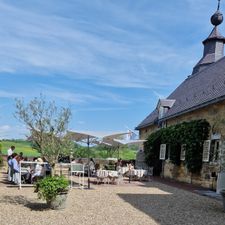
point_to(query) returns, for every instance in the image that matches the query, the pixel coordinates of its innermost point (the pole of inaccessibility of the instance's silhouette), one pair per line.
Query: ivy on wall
(191, 133)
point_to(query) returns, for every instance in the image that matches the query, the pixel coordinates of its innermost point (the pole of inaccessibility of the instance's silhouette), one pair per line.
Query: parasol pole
(88, 144)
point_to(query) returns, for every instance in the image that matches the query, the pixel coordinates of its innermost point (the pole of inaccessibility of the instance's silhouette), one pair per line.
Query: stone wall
(206, 178)
(214, 114)
(145, 132)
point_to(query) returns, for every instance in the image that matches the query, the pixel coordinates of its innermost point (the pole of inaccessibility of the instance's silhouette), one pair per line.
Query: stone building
(200, 96)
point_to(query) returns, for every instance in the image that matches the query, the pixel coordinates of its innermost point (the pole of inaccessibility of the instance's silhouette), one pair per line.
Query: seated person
(119, 164)
(80, 161)
(25, 171)
(130, 166)
(37, 170)
(47, 167)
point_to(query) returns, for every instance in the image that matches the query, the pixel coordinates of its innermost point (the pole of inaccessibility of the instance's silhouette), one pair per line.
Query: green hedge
(191, 133)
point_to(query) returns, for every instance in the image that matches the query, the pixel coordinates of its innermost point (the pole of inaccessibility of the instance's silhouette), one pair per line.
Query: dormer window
(162, 111)
(163, 106)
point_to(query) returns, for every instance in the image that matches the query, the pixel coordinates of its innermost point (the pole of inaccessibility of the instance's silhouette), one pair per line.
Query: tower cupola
(213, 45)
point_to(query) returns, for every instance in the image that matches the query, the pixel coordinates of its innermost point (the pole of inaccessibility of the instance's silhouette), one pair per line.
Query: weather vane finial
(218, 8)
(217, 17)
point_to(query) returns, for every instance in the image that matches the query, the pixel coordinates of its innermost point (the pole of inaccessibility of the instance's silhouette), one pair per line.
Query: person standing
(91, 167)
(16, 169)
(10, 167)
(10, 150)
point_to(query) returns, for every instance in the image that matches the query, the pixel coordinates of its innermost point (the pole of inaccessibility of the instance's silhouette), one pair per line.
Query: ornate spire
(218, 8)
(217, 17)
(213, 45)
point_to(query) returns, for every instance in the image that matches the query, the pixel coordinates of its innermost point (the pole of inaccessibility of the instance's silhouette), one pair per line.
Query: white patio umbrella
(89, 137)
(127, 142)
(117, 143)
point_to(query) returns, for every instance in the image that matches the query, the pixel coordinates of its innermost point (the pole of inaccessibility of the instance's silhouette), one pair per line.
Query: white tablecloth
(138, 172)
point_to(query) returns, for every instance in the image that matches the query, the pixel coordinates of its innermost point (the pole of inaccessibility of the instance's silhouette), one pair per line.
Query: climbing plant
(191, 133)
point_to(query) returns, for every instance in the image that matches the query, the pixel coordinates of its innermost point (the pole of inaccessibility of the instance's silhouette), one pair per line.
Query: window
(163, 106)
(183, 152)
(162, 154)
(164, 124)
(206, 151)
(214, 151)
(211, 151)
(161, 112)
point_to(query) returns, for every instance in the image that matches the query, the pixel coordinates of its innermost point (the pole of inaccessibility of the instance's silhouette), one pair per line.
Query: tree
(47, 126)
(1, 158)
(0, 148)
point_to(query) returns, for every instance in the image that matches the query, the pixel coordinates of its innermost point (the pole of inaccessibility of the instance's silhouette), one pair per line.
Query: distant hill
(21, 146)
(126, 153)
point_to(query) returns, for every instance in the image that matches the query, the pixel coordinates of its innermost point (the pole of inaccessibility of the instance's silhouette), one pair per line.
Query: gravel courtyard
(126, 204)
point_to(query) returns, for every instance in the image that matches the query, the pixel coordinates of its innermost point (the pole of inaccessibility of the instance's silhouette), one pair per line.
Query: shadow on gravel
(37, 206)
(172, 208)
(21, 200)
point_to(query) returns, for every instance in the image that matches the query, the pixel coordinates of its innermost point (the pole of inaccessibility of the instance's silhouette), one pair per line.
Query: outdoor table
(124, 170)
(139, 173)
(102, 175)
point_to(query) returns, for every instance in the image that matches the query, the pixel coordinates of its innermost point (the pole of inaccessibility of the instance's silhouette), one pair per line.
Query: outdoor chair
(78, 170)
(149, 174)
(120, 176)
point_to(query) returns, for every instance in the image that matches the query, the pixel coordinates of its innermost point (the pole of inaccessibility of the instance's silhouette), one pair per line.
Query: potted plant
(54, 190)
(222, 192)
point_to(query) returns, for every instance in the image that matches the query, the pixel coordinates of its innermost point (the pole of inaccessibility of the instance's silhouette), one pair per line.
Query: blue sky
(109, 61)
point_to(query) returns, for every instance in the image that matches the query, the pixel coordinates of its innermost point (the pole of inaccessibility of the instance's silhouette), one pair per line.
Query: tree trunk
(52, 169)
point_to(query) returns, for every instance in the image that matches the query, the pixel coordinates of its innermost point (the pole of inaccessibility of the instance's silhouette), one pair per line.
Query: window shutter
(183, 152)
(206, 151)
(162, 154)
(220, 149)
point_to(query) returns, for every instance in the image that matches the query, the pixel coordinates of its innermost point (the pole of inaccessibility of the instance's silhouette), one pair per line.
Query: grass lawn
(25, 147)
(21, 146)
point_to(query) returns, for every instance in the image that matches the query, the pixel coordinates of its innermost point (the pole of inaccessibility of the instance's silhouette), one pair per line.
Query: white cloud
(9, 94)
(12, 132)
(99, 56)
(45, 44)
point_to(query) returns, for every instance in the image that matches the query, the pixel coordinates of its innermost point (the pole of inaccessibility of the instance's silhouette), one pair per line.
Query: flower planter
(220, 182)
(59, 202)
(54, 190)
(223, 198)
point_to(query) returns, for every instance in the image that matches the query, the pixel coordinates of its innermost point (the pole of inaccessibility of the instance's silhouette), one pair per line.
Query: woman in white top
(37, 169)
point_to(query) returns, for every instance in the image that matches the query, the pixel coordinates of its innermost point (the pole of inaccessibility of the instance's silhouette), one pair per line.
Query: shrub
(49, 187)
(1, 160)
(191, 133)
